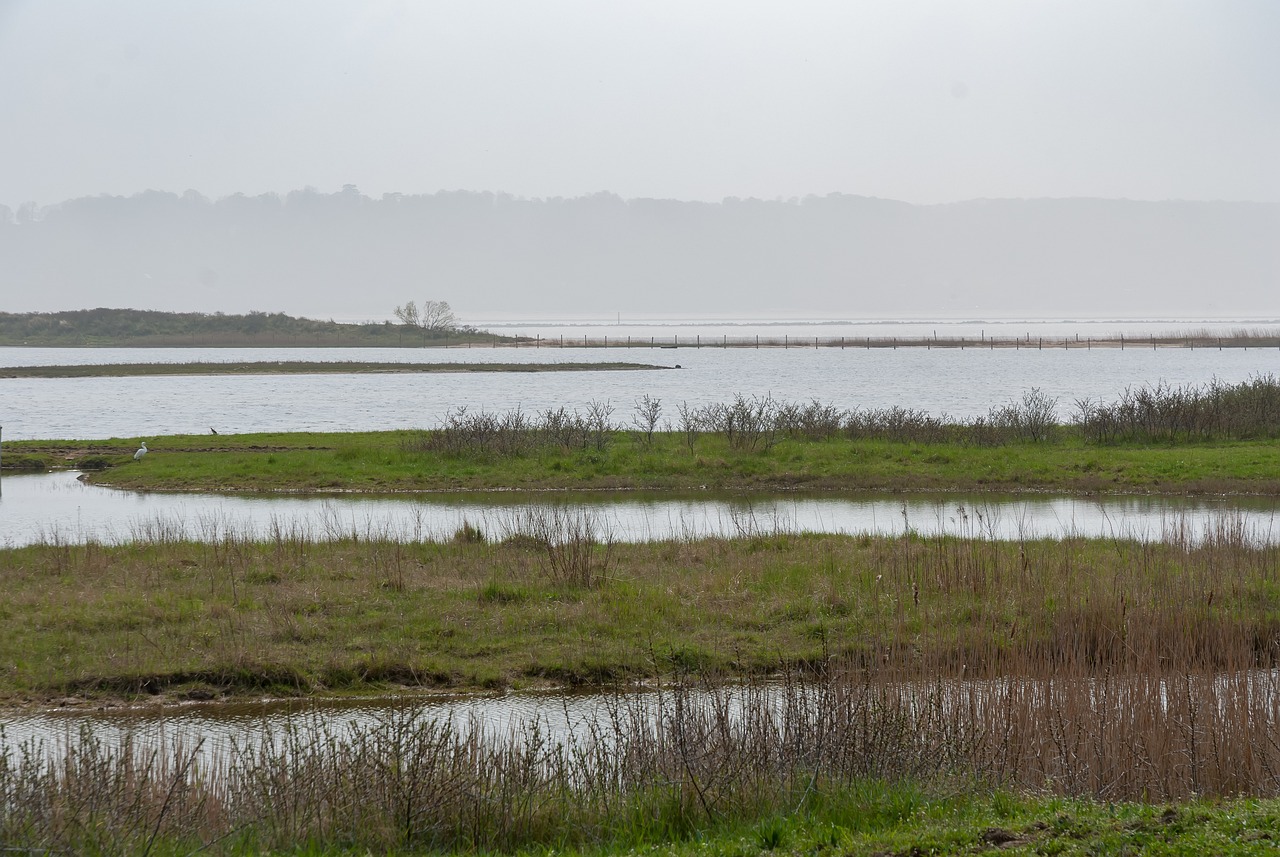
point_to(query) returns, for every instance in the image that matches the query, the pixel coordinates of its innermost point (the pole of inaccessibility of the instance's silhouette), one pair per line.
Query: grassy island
(299, 367)
(942, 695)
(1216, 439)
(405, 461)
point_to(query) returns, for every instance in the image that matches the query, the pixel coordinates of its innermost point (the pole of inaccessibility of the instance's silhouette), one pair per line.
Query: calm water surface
(942, 381)
(58, 507)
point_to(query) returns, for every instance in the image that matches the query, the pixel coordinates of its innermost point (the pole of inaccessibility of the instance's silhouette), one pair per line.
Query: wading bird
(140, 452)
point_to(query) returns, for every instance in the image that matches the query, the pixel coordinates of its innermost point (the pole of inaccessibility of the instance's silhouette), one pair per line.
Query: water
(58, 507)
(959, 384)
(217, 728)
(801, 328)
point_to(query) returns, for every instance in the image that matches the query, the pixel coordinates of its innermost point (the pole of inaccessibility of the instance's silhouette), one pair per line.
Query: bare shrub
(1160, 412)
(746, 423)
(647, 414)
(575, 549)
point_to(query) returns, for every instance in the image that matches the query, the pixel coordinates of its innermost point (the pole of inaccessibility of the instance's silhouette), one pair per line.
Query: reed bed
(781, 673)
(558, 599)
(661, 765)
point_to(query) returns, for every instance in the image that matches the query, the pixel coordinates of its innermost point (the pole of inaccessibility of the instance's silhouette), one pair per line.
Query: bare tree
(431, 316)
(647, 413)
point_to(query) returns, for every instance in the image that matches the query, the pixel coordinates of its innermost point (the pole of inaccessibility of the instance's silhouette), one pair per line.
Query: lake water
(216, 728)
(58, 507)
(957, 383)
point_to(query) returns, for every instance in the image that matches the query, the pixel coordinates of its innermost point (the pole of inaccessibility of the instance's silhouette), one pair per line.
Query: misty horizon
(347, 255)
(879, 159)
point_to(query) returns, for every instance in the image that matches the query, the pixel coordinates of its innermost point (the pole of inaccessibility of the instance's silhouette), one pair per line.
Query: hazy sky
(920, 101)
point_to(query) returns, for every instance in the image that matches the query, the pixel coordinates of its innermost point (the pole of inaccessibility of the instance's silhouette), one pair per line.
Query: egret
(141, 452)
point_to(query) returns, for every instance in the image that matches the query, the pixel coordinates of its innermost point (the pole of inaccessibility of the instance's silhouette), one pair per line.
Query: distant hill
(345, 254)
(139, 328)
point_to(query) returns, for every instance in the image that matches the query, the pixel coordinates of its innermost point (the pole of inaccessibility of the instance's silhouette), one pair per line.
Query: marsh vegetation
(1214, 438)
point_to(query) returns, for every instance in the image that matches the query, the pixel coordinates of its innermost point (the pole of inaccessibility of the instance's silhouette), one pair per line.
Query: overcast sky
(918, 101)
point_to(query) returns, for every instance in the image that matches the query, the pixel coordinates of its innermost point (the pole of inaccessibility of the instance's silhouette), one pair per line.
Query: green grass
(297, 616)
(389, 461)
(862, 818)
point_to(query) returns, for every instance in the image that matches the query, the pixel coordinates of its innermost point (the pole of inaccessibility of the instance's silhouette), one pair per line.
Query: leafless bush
(575, 549)
(753, 423)
(1033, 418)
(514, 434)
(900, 424)
(1213, 411)
(813, 421)
(690, 424)
(648, 412)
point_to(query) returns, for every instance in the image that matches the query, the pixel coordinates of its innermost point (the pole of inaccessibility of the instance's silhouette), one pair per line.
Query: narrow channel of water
(60, 508)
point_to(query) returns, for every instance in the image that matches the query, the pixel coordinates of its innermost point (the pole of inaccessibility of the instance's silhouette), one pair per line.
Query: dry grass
(561, 602)
(1110, 669)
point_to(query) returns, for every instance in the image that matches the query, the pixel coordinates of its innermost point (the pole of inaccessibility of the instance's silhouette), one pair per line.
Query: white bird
(140, 452)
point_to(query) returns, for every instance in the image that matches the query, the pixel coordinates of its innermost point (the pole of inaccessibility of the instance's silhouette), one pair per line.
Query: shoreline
(123, 370)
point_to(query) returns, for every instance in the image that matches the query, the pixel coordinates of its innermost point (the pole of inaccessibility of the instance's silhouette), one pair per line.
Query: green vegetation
(295, 367)
(548, 598)
(406, 461)
(908, 695)
(851, 694)
(1213, 439)
(389, 791)
(142, 328)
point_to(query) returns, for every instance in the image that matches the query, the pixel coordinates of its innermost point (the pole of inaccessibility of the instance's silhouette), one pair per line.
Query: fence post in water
(786, 343)
(699, 340)
(1040, 347)
(842, 343)
(1122, 342)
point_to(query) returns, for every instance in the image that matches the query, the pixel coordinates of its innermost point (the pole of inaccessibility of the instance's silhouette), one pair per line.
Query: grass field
(399, 461)
(551, 600)
(905, 696)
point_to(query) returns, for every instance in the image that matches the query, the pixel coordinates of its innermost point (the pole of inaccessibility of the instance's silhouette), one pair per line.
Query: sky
(925, 102)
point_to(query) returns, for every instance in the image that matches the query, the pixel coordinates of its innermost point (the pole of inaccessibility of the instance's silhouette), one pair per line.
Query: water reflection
(59, 508)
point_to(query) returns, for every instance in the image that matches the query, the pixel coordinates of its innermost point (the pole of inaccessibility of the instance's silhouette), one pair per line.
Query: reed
(512, 602)
(691, 755)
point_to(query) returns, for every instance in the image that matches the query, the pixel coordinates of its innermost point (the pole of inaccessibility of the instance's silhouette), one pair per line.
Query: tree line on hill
(104, 326)
(335, 254)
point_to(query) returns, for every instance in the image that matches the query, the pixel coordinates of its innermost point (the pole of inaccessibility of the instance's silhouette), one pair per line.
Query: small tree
(431, 316)
(647, 413)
